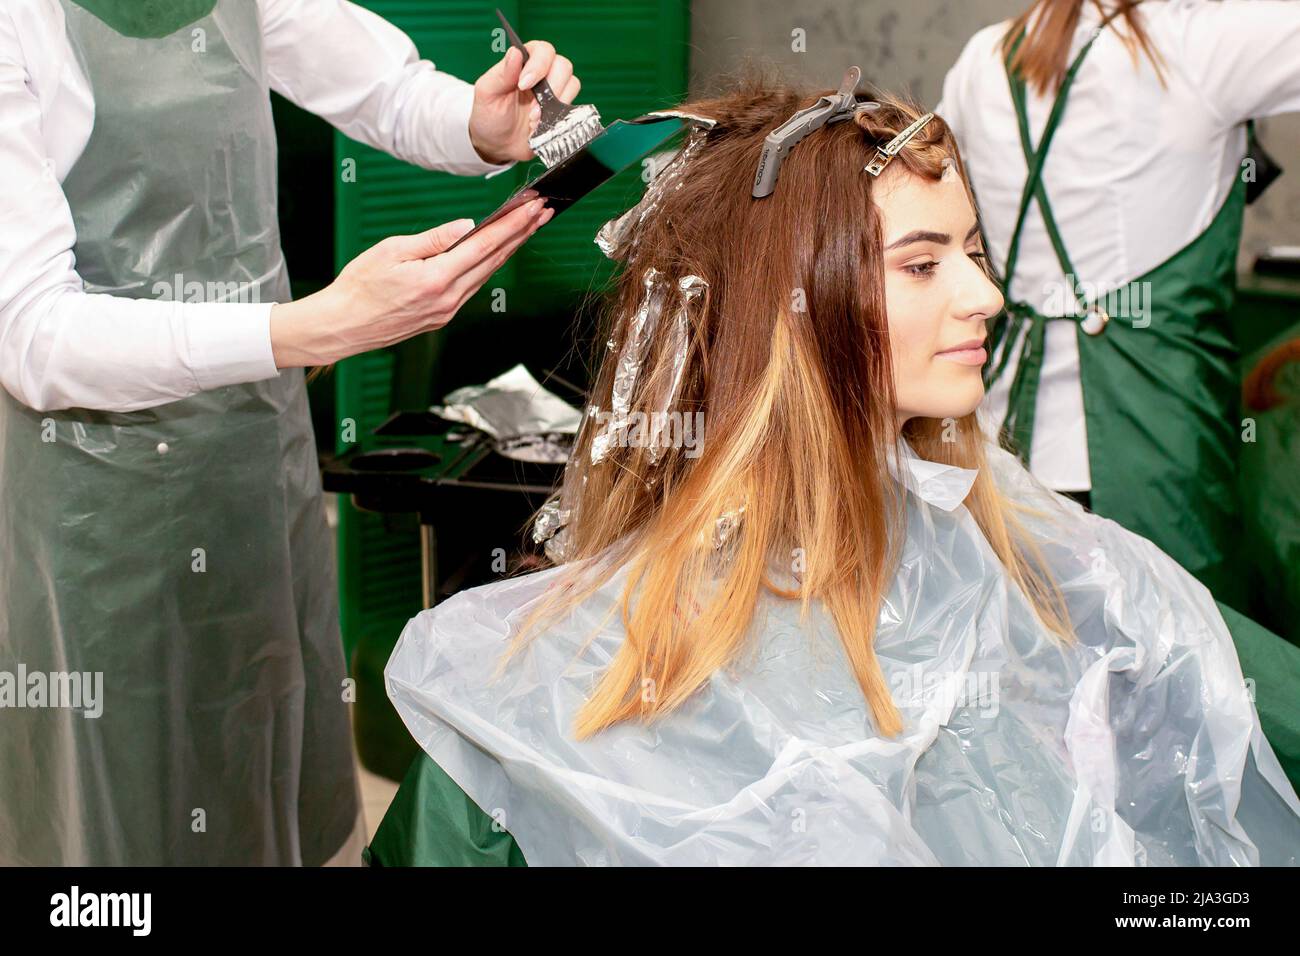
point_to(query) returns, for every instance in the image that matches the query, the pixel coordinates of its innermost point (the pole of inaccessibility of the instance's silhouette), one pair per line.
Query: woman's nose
(979, 297)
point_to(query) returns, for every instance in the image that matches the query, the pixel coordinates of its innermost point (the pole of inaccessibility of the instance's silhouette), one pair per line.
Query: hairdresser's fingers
(541, 55)
(434, 241)
(571, 90)
(503, 77)
(560, 74)
(427, 244)
(467, 284)
(484, 243)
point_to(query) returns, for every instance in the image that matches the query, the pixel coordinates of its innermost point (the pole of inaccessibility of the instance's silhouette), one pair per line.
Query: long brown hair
(788, 360)
(1042, 59)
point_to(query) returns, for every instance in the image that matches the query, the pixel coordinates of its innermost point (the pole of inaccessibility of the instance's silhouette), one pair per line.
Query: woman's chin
(954, 403)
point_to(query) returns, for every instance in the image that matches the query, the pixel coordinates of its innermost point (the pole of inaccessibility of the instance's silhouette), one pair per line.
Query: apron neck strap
(1034, 159)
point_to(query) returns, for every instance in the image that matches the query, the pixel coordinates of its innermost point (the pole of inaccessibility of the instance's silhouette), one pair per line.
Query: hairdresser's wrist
(304, 332)
(488, 152)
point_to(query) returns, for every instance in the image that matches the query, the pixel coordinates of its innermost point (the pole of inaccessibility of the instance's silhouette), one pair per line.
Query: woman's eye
(978, 255)
(922, 270)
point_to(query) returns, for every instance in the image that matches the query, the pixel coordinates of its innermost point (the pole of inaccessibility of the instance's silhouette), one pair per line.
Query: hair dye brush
(617, 147)
(563, 129)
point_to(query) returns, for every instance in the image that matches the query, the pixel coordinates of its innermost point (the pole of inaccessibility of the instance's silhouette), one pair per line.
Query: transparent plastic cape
(1139, 745)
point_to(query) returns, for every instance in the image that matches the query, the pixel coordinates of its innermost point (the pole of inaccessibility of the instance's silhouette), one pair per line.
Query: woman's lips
(972, 354)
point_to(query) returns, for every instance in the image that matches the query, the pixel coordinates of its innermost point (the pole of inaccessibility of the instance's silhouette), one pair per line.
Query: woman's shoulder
(485, 613)
(1120, 588)
(474, 629)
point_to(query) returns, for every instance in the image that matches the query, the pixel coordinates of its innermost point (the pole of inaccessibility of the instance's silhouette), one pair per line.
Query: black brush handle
(552, 108)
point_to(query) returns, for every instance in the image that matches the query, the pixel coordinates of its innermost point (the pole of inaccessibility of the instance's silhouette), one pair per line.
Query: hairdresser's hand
(505, 112)
(400, 287)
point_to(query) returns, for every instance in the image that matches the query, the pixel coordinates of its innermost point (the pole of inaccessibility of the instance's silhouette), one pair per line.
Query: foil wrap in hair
(557, 546)
(690, 287)
(725, 528)
(550, 527)
(630, 359)
(617, 238)
(550, 519)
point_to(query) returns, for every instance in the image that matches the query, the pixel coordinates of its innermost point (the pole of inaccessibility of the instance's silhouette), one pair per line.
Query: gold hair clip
(894, 146)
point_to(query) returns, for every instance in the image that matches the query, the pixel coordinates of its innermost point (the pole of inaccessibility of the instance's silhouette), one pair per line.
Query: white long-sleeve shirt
(1135, 172)
(61, 347)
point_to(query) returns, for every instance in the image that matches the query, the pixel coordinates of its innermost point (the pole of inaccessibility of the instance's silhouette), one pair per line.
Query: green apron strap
(1034, 159)
(1023, 394)
(1018, 312)
(1022, 398)
(1036, 179)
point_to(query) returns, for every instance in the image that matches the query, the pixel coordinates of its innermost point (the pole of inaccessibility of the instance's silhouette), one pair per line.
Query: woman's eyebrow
(920, 235)
(924, 235)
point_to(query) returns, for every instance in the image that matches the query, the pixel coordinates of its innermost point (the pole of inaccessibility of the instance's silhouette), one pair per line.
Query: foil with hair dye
(725, 528)
(650, 427)
(618, 237)
(630, 359)
(690, 288)
(550, 519)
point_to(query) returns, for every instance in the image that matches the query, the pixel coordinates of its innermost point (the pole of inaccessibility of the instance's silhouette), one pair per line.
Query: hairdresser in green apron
(1157, 357)
(1160, 391)
(1114, 371)
(174, 556)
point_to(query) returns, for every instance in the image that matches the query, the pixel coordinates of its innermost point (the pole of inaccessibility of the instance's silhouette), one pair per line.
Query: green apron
(180, 552)
(1161, 399)
(1270, 491)
(1162, 411)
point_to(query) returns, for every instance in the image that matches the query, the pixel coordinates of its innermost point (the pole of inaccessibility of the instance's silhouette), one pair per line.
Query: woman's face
(936, 294)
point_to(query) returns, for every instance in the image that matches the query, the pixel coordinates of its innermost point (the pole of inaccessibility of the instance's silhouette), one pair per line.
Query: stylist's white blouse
(62, 348)
(1136, 170)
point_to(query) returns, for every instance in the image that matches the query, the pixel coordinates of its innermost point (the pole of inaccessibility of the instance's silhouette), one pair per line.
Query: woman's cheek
(910, 372)
(908, 331)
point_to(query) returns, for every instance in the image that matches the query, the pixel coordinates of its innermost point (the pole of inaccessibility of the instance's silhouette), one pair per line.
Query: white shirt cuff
(229, 343)
(468, 161)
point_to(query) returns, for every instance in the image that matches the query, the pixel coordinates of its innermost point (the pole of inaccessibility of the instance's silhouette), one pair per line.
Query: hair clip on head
(891, 149)
(834, 108)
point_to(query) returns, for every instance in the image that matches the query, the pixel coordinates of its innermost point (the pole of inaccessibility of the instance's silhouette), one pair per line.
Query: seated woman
(843, 628)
